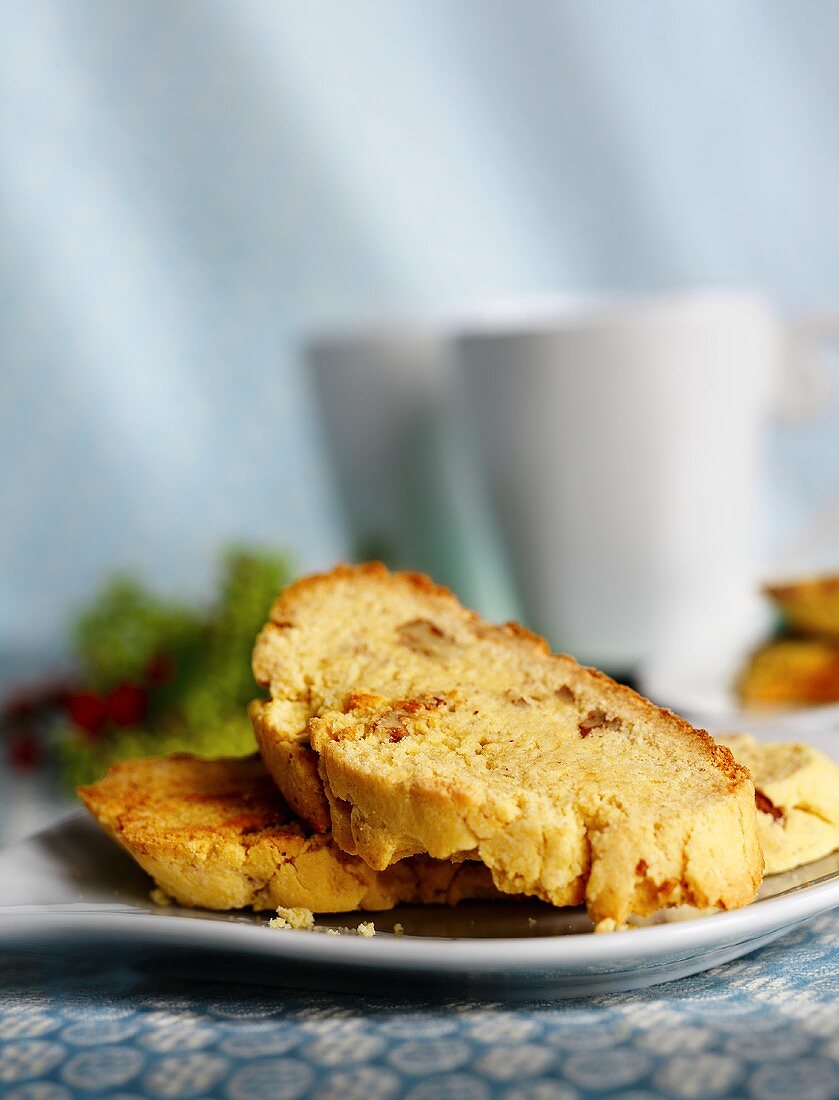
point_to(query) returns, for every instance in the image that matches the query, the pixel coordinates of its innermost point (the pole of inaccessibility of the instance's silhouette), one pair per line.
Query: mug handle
(805, 384)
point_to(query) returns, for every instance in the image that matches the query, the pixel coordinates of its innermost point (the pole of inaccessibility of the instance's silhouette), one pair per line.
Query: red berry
(127, 705)
(23, 749)
(88, 711)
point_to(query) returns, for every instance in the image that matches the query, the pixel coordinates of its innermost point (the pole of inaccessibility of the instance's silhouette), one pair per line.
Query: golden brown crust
(217, 834)
(409, 698)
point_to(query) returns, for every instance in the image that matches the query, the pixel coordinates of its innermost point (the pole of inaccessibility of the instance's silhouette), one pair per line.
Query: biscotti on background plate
(797, 798)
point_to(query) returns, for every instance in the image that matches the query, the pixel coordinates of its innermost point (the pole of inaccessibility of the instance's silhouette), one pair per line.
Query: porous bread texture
(440, 733)
(218, 835)
(797, 797)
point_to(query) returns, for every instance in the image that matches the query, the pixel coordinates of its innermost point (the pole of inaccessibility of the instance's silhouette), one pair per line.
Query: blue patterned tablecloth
(765, 1027)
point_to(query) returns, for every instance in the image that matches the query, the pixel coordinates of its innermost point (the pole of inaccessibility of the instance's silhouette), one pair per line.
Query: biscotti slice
(810, 606)
(217, 834)
(281, 728)
(440, 733)
(790, 672)
(797, 796)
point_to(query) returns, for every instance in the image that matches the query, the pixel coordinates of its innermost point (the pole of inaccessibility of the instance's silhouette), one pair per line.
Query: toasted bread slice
(217, 834)
(810, 606)
(440, 733)
(790, 672)
(797, 797)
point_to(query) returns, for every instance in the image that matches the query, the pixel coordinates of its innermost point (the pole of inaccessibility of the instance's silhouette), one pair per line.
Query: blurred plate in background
(696, 679)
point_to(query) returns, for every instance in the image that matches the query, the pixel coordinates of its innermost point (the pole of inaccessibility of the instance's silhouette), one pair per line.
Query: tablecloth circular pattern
(765, 1027)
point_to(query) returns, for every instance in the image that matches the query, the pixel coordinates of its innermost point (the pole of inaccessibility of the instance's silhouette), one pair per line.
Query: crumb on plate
(301, 919)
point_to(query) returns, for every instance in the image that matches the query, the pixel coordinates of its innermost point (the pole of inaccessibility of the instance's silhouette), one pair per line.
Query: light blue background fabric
(186, 187)
(765, 1027)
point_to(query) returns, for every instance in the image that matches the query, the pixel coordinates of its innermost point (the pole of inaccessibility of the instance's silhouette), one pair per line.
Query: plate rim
(386, 951)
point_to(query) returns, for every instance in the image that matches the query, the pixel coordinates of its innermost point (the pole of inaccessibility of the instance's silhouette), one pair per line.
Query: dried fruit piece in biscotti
(217, 834)
(440, 733)
(797, 797)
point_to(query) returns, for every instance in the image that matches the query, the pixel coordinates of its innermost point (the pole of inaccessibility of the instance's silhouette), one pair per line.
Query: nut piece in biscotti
(217, 834)
(440, 733)
(810, 606)
(790, 672)
(797, 797)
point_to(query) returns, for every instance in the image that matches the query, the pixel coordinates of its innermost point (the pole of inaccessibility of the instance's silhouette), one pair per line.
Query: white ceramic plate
(71, 889)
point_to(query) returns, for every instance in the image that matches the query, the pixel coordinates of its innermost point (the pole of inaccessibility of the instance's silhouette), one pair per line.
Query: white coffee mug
(622, 443)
